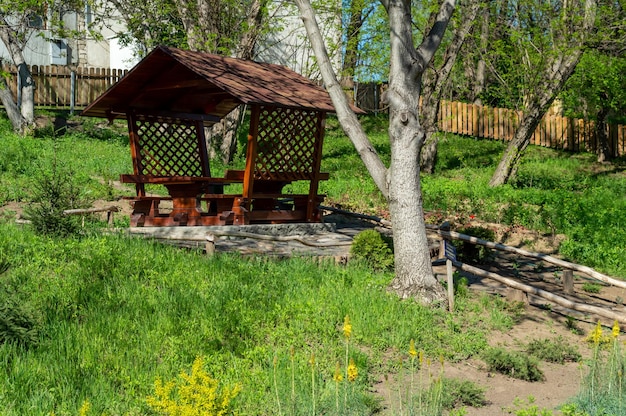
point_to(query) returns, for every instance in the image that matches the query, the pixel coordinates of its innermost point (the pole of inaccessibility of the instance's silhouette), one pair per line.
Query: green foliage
(194, 394)
(53, 193)
(591, 287)
(114, 313)
(603, 390)
(528, 408)
(371, 247)
(513, 364)
(473, 253)
(18, 324)
(457, 393)
(553, 350)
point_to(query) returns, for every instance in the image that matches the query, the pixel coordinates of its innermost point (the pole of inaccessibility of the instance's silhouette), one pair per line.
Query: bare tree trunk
(348, 120)
(480, 77)
(413, 270)
(433, 83)
(604, 150)
(401, 184)
(27, 105)
(17, 121)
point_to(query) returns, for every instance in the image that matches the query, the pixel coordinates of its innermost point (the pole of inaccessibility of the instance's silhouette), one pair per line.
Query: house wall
(89, 53)
(287, 44)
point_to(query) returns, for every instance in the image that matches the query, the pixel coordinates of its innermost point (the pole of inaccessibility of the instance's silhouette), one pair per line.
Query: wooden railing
(553, 131)
(60, 86)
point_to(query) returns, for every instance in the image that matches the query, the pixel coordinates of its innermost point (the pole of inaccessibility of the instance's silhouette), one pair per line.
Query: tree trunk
(413, 271)
(508, 164)
(401, 185)
(604, 149)
(27, 106)
(434, 82)
(17, 121)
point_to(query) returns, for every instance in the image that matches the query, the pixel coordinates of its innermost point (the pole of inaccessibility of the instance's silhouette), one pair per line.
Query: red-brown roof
(180, 81)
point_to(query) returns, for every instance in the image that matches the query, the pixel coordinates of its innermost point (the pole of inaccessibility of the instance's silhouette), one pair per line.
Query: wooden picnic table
(187, 194)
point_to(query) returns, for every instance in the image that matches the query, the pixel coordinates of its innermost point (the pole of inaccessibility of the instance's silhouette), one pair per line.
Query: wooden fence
(60, 86)
(553, 131)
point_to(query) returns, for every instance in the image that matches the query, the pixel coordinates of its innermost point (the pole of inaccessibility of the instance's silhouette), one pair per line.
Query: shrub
(53, 193)
(514, 364)
(195, 394)
(371, 247)
(472, 253)
(591, 287)
(554, 351)
(456, 393)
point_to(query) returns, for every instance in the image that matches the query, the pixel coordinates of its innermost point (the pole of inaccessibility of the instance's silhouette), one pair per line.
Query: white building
(44, 48)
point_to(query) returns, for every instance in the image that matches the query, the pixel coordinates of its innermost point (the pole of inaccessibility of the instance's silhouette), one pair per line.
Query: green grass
(113, 313)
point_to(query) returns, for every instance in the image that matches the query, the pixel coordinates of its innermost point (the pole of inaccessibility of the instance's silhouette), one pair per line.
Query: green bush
(472, 253)
(457, 392)
(514, 364)
(370, 246)
(55, 191)
(553, 350)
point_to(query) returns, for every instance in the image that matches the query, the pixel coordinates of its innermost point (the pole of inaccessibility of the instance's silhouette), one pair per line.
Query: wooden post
(450, 275)
(568, 281)
(210, 245)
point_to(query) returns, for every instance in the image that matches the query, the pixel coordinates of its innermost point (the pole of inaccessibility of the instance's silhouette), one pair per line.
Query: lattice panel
(168, 147)
(286, 142)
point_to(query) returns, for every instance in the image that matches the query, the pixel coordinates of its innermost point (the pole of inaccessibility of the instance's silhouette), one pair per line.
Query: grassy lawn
(97, 319)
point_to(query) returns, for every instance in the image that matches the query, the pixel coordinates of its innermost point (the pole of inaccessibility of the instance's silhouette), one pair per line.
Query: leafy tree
(546, 41)
(597, 90)
(400, 183)
(15, 31)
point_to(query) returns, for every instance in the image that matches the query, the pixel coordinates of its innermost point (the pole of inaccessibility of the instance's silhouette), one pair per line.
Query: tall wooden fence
(553, 131)
(60, 86)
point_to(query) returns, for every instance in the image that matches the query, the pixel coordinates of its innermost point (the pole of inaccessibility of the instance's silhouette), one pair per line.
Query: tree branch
(347, 118)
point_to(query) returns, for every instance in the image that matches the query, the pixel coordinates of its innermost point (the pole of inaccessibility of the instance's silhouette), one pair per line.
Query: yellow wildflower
(85, 408)
(596, 335)
(312, 359)
(353, 371)
(338, 377)
(615, 331)
(412, 350)
(347, 327)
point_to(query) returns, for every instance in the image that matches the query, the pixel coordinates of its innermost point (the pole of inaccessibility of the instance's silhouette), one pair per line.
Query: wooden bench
(262, 201)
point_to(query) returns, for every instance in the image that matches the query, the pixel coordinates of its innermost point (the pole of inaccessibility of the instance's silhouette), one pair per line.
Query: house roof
(171, 80)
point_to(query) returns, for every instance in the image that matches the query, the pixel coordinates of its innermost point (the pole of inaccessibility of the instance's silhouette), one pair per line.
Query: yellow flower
(312, 360)
(596, 335)
(347, 327)
(412, 350)
(615, 331)
(85, 408)
(353, 372)
(338, 377)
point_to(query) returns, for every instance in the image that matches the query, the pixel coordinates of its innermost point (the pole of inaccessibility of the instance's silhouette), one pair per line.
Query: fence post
(72, 91)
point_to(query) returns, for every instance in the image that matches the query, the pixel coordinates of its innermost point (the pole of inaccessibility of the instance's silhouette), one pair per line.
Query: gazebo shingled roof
(180, 81)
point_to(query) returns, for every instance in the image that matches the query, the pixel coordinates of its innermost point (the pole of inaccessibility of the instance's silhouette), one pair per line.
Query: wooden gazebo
(168, 99)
